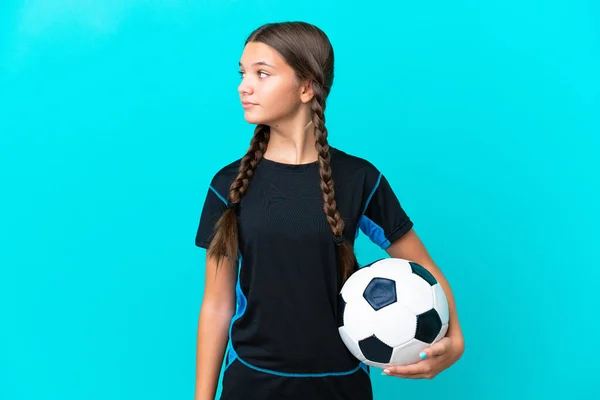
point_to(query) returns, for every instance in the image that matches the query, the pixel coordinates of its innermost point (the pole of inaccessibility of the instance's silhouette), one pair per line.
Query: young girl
(279, 225)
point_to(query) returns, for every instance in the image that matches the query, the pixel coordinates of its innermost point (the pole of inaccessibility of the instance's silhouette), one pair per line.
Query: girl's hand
(435, 359)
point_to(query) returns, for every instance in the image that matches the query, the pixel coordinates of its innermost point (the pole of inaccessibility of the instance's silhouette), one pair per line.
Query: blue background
(115, 114)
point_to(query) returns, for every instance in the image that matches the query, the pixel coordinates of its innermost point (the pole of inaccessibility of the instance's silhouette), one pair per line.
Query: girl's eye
(261, 74)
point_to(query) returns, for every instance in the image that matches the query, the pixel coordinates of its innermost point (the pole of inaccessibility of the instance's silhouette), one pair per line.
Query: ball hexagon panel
(408, 353)
(375, 350)
(414, 293)
(380, 292)
(395, 325)
(392, 268)
(359, 318)
(351, 343)
(440, 302)
(429, 326)
(355, 285)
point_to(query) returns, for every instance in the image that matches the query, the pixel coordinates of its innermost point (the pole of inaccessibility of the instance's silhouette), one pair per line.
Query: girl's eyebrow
(260, 63)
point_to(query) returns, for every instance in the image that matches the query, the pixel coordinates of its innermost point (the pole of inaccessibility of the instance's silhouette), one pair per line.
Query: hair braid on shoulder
(346, 258)
(225, 240)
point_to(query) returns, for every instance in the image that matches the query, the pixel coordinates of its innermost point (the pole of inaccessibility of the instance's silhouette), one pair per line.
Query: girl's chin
(251, 119)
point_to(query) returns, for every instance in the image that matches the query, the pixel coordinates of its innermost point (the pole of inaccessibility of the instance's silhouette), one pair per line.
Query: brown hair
(308, 51)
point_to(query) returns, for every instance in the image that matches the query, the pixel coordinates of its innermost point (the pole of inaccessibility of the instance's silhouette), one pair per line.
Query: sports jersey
(283, 339)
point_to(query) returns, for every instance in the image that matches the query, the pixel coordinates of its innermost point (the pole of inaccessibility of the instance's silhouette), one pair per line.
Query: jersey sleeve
(384, 220)
(214, 206)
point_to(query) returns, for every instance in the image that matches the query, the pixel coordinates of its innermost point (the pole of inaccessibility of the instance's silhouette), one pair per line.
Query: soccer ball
(390, 311)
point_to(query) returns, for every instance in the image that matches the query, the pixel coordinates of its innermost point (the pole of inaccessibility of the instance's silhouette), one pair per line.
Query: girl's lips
(246, 104)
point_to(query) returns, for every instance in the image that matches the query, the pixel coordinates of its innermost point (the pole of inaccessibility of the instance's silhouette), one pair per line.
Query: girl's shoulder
(224, 177)
(346, 165)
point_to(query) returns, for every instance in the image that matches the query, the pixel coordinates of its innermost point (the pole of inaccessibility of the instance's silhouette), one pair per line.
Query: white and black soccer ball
(390, 311)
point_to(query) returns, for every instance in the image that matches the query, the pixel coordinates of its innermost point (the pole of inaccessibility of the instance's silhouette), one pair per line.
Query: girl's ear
(306, 92)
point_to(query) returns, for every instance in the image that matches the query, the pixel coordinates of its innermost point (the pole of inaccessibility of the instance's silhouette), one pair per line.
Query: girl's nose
(245, 89)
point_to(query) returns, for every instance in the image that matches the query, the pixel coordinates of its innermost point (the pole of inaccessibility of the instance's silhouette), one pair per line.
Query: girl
(279, 226)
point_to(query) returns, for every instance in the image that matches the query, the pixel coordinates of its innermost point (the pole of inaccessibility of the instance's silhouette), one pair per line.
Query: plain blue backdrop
(115, 114)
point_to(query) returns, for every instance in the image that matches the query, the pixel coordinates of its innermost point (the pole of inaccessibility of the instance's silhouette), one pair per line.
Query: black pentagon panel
(341, 306)
(418, 269)
(375, 350)
(380, 292)
(429, 325)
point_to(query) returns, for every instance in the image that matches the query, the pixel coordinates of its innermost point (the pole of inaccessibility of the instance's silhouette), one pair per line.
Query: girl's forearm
(213, 331)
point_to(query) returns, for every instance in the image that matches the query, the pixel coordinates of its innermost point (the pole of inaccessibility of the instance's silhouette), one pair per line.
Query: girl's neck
(293, 146)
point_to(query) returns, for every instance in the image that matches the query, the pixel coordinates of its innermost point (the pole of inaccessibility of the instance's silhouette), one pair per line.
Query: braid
(225, 241)
(258, 146)
(346, 258)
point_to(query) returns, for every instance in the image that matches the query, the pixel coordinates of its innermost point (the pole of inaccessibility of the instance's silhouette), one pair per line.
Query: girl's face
(269, 91)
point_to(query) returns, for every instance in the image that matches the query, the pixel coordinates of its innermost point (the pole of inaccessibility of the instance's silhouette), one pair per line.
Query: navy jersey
(283, 338)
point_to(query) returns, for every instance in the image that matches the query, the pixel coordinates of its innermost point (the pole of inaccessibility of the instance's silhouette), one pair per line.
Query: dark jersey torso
(284, 334)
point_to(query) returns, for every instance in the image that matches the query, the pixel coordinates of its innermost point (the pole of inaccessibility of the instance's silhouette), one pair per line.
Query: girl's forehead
(260, 53)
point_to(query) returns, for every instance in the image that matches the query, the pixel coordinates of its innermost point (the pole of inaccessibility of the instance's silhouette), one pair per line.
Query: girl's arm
(218, 307)
(448, 350)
